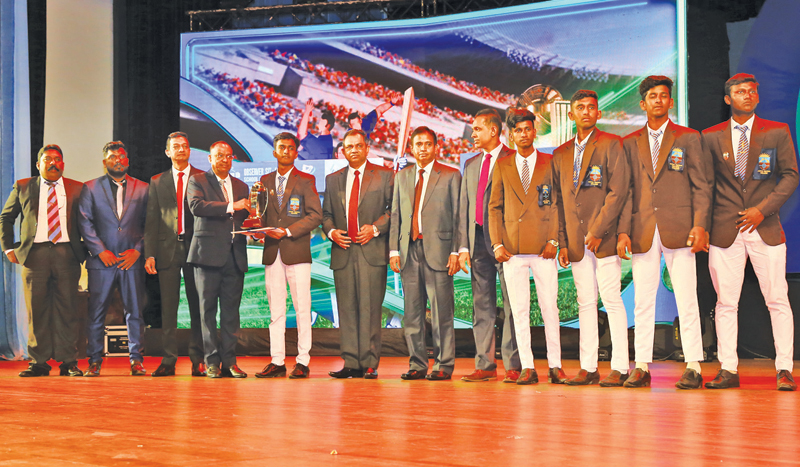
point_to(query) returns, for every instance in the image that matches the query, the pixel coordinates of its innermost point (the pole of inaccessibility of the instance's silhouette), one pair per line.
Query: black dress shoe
(164, 370)
(234, 372)
(213, 372)
(70, 369)
(556, 376)
(35, 370)
(94, 369)
(724, 380)
(690, 379)
(272, 371)
(528, 376)
(614, 379)
(438, 376)
(300, 371)
(786, 381)
(413, 374)
(199, 369)
(584, 378)
(346, 373)
(638, 378)
(371, 373)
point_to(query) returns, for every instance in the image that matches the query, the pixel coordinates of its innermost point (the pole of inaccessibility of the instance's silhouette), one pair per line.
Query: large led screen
(246, 86)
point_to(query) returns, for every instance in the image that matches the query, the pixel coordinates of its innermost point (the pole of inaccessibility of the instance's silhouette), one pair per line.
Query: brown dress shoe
(137, 368)
(556, 376)
(724, 380)
(690, 380)
(272, 371)
(438, 376)
(413, 374)
(199, 369)
(638, 379)
(480, 375)
(94, 369)
(614, 379)
(528, 376)
(299, 371)
(511, 376)
(584, 378)
(786, 381)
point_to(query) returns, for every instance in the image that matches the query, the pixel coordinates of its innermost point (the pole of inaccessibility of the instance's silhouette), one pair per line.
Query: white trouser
(590, 274)
(298, 276)
(646, 278)
(545, 276)
(727, 273)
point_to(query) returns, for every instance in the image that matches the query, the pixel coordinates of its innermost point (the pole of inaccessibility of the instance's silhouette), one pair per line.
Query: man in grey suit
(167, 236)
(219, 203)
(475, 251)
(355, 216)
(425, 204)
(50, 253)
(112, 216)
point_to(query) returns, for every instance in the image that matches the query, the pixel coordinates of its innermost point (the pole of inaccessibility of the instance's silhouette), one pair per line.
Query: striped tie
(576, 166)
(280, 190)
(53, 219)
(742, 152)
(526, 179)
(223, 185)
(656, 147)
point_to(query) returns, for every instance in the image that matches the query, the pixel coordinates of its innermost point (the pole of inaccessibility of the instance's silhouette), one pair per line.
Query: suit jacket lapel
(170, 185)
(290, 183)
(727, 148)
(369, 174)
(513, 175)
(130, 186)
(343, 188)
(643, 144)
(33, 192)
(537, 176)
(112, 202)
(432, 179)
(756, 143)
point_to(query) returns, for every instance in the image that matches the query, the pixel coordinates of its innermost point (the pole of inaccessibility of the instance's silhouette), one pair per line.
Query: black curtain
(37, 58)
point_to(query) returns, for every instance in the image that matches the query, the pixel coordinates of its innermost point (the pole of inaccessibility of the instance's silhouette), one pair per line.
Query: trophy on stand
(254, 220)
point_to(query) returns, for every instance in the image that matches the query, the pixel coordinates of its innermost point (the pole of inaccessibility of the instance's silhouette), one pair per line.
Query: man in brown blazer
(667, 212)
(593, 178)
(290, 204)
(524, 228)
(50, 252)
(355, 215)
(755, 170)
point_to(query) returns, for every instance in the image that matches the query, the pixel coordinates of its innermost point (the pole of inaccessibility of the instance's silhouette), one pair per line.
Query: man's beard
(117, 173)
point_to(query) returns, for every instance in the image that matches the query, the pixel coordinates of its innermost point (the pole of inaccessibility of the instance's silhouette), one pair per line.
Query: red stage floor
(123, 420)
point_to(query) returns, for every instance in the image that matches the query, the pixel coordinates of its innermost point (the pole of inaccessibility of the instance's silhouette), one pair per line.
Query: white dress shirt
(662, 129)
(531, 164)
(736, 134)
(41, 218)
(227, 187)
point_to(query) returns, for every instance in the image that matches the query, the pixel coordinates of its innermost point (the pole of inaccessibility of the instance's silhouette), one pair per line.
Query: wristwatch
(553, 242)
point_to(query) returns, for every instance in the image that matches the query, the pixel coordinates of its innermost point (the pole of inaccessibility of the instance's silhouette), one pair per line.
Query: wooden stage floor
(123, 420)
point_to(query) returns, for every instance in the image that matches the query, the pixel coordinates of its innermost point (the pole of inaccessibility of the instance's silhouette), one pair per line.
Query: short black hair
(352, 116)
(582, 94)
(112, 146)
(176, 134)
(423, 129)
(738, 78)
(353, 131)
(652, 81)
(516, 116)
(286, 135)
(49, 147)
(493, 116)
(327, 115)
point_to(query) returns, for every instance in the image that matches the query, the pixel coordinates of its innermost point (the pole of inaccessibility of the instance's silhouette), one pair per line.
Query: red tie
(53, 218)
(415, 233)
(180, 203)
(352, 209)
(482, 182)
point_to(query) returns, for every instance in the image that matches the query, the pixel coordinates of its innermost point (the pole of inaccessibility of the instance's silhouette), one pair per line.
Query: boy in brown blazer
(592, 177)
(524, 228)
(755, 170)
(667, 212)
(290, 203)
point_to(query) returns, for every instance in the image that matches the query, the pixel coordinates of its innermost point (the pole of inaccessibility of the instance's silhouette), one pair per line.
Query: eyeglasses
(223, 157)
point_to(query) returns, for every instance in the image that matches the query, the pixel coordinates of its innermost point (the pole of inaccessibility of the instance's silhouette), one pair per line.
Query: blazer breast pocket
(294, 206)
(676, 160)
(764, 164)
(594, 177)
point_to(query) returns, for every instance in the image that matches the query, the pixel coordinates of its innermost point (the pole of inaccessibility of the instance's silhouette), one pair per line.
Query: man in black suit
(167, 236)
(51, 253)
(219, 203)
(355, 216)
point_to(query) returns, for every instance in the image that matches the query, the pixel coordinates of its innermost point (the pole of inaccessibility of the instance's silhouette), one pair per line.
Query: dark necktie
(415, 233)
(352, 209)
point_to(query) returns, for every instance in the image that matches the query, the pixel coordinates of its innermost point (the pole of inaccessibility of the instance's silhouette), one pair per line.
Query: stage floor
(124, 420)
